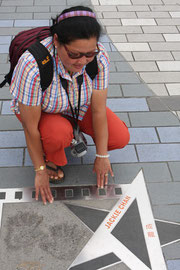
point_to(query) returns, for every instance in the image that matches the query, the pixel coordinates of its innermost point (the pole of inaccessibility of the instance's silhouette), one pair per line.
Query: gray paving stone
(176, 55)
(5, 40)
(24, 23)
(144, 37)
(119, 15)
(115, 2)
(171, 21)
(172, 251)
(71, 160)
(11, 157)
(6, 23)
(175, 170)
(133, 8)
(145, 2)
(6, 108)
(160, 29)
(33, 9)
(110, 21)
(136, 90)
(4, 68)
(4, 58)
(163, 194)
(144, 119)
(9, 122)
(160, 77)
(124, 117)
(5, 94)
(144, 66)
(4, 31)
(16, 16)
(113, 48)
(143, 135)
(165, 7)
(104, 8)
(78, 2)
(124, 29)
(7, 9)
(124, 155)
(151, 56)
(153, 172)
(158, 152)
(164, 103)
(115, 56)
(17, 177)
(158, 89)
(173, 265)
(169, 134)
(17, 3)
(118, 38)
(47, 3)
(127, 104)
(112, 67)
(12, 139)
(165, 46)
(4, 48)
(124, 77)
(168, 212)
(123, 66)
(153, 14)
(114, 90)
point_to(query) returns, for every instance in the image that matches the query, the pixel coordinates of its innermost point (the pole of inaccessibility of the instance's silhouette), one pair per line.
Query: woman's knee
(120, 138)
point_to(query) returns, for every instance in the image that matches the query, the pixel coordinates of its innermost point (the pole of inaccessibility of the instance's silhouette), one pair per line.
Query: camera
(78, 144)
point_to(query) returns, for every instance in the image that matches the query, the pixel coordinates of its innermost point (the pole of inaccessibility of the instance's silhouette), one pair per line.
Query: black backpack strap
(45, 63)
(92, 68)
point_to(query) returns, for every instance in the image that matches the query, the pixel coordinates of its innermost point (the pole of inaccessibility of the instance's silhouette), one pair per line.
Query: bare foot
(57, 174)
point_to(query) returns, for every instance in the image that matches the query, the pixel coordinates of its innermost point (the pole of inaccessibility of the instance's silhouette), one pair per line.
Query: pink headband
(75, 14)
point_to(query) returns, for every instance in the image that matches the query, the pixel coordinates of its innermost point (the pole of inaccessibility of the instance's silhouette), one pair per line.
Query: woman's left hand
(102, 167)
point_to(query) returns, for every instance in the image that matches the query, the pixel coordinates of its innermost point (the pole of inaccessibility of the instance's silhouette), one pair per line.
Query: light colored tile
(17, 16)
(158, 89)
(6, 23)
(173, 88)
(152, 56)
(115, 2)
(143, 135)
(160, 29)
(171, 2)
(169, 134)
(123, 29)
(6, 108)
(143, 66)
(160, 77)
(144, 37)
(110, 21)
(12, 139)
(146, 2)
(17, 3)
(173, 264)
(176, 55)
(158, 152)
(105, 8)
(119, 15)
(132, 47)
(153, 14)
(138, 22)
(165, 46)
(134, 8)
(11, 157)
(4, 31)
(169, 65)
(175, 14)
(127, 104)
(168, 21)
(118, 38)
(33, 9)
(47, 3)
(172, 37)
(127, 56)
(7, 9)
(165, 8)
(24, 23)
(5, 40)
(4, 48)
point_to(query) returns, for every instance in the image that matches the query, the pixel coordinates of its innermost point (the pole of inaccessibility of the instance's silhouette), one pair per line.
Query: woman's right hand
(42, 186)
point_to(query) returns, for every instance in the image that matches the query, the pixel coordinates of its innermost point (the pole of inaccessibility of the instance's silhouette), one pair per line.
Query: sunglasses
(79, 55)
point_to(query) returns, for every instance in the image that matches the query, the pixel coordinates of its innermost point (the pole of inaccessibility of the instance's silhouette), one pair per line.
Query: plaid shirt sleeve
(101, 80)
(25, 85)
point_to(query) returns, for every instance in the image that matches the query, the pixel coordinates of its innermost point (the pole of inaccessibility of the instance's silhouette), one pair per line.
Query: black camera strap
(75, 112)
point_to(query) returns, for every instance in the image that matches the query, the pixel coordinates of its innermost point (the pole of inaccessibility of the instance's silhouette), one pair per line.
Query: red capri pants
(57, 133)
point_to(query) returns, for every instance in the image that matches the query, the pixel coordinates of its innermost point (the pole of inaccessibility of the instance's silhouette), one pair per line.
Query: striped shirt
(25, 85)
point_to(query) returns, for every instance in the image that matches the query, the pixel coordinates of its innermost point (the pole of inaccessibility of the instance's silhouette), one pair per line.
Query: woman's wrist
(103, 156)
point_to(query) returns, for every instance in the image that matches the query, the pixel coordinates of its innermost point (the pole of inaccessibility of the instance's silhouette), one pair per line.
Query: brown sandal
(59, 180)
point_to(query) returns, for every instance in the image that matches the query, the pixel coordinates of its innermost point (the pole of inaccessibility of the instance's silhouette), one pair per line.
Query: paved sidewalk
(143, 41)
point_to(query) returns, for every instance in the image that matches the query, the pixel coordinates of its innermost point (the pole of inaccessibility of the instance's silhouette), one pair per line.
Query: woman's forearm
(100, 128)
(34, 146)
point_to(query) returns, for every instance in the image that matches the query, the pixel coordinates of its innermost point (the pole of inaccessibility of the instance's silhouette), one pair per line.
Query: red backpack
(30, 40)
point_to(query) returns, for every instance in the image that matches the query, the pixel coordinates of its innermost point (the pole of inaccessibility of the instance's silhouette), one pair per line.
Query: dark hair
(80, 27)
